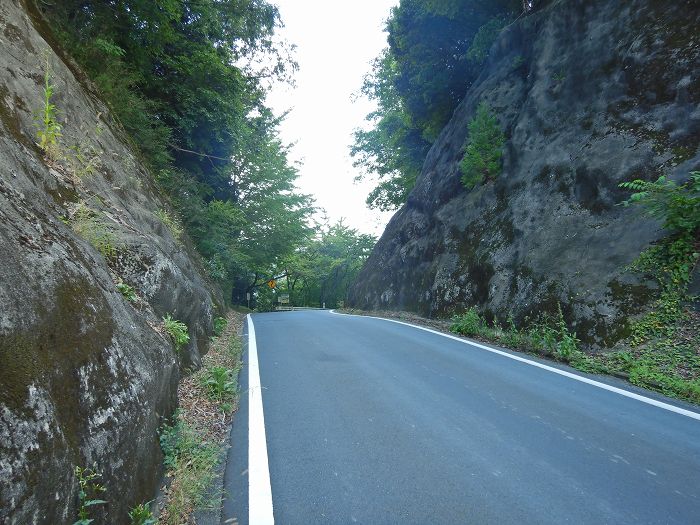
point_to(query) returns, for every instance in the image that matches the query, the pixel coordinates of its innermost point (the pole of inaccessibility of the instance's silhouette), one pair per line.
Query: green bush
(673, 260)
(469, 323)
(484, 38)
(482, 157)
(177, 331)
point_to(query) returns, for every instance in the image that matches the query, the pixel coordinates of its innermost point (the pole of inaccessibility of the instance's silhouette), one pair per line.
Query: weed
(469, 323)
(49, 129)
(90, 227)
(177, 330)
(142, 515)
(127, 291)
(88, 490)
(220, 325)
(220, 383)
(171, 222)
(83, 161)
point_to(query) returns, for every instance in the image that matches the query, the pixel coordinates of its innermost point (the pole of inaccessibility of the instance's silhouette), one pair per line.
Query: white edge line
(593, 382)
(259, 491)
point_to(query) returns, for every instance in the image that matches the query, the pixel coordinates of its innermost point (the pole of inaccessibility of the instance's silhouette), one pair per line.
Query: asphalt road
(370, 421)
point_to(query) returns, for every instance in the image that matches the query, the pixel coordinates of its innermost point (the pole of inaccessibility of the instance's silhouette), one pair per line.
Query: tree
(436, 50)
(482, 158)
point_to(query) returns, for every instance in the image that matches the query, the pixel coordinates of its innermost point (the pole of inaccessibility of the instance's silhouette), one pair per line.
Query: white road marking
(592, 382)
(259, 490)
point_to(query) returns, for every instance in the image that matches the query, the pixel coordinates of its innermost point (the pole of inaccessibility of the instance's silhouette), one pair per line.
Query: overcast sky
(336, 41)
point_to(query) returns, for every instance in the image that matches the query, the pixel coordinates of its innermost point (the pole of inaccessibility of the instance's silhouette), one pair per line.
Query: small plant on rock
(127, 291)
(49, 129)
(171, 222)
(177, 330)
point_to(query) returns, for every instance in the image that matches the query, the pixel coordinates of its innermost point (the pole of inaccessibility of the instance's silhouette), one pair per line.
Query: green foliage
(142, 515)
(88, 491)
(553, 337)
(323, 270)
(482, 158)
(479, 49)
(90, 226)
(469, 323)
(673, 260)
(188, 82)
(436, 50)
(177, 331)
(220, 324)
(127, 291)
(49, 129)
(220, 383)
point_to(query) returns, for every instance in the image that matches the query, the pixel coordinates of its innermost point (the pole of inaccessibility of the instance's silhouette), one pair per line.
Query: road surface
(371, 421)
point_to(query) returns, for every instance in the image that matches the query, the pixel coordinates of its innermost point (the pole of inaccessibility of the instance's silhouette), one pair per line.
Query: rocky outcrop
(589, 94)
(86, 375)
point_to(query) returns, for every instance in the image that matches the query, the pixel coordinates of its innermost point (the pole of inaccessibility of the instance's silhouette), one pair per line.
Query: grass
(193, 443)
(87, 223)
(190, 462)
(127, 291)
(171, 222)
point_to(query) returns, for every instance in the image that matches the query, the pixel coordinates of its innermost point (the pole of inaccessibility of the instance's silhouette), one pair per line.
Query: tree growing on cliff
(482, 157)
(436, 50)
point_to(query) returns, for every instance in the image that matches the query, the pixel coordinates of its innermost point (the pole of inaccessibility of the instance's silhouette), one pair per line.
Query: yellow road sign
(272, 283)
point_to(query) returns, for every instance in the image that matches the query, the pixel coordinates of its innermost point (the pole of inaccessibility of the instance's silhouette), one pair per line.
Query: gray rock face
(589, 94)
(85, 376)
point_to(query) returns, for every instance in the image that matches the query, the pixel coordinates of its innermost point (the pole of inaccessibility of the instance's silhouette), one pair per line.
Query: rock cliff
(86, 375)
(589, 94)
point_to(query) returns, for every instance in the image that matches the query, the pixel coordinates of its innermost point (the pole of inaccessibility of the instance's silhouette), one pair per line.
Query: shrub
(484, 38)
(482, 157)
(177, 330)
(469, 323)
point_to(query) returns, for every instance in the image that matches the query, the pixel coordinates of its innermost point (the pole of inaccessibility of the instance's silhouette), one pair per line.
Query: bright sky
(336, 41)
